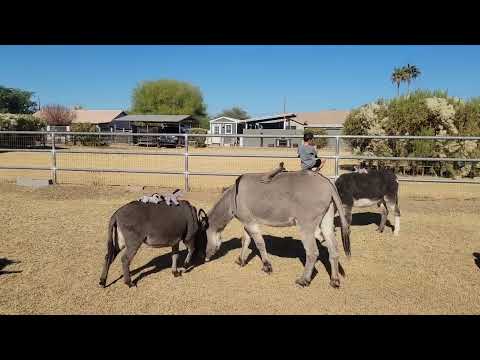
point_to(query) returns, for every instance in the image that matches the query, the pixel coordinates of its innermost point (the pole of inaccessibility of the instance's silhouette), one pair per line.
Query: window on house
(228, 128)
(216, 129)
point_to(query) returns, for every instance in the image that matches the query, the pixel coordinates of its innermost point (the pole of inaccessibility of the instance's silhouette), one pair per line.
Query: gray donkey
(156, 225)
(301, 198)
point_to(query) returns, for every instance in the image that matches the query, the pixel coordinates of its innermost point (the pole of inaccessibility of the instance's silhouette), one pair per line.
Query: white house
(224, 125)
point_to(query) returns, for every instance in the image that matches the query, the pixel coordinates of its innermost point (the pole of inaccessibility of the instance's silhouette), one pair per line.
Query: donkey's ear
(202, 217)
(202, 214)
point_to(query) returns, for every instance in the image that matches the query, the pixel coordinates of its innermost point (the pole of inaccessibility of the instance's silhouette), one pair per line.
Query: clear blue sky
(257, 78)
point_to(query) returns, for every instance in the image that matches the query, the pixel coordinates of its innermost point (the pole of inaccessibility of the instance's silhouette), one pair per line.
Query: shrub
(88, 140)
(21, 122)
(421, 113)
(200, 140)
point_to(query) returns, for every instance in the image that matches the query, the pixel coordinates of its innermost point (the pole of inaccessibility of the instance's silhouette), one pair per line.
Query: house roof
(280, 120)
(96, 116)
(327, 118)
(270, 117)
(227, 118)
(91, 116)
(154, 118)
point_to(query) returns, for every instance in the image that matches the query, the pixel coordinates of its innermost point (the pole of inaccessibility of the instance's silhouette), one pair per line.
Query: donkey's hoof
(177, 273)
(186, 268)
(267, 267)
(302, 282)
(131, 285)
(102, 283)
(335, 283)
(380, 230)
(240, 262)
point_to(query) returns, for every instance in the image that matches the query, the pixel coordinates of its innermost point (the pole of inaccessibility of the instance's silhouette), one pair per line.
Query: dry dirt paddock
(58, 234)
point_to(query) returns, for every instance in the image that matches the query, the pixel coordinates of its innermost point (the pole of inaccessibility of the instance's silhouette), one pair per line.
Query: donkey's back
(157, 225)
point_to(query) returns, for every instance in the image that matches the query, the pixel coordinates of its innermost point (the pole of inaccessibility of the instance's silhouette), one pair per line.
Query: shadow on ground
(365, 219)
(4, 262)
(164, 262)
(477, 259)
(286, 247)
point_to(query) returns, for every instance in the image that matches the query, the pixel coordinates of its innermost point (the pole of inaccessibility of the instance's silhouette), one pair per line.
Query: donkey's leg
(130, 251)
(191, 248)
(109, 258)
(384, 214)
(328, 231)
(311, 252)
(246, 239)
(348, 213)
(392, 203)
(175, 249)
(254, 232)
(318, 234)
(106, 266)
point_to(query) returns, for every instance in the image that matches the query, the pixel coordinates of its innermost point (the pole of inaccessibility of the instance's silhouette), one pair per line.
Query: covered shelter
(155, 123)
(285, 121)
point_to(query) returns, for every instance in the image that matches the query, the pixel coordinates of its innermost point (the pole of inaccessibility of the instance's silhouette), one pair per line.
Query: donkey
(300, 198)
(156, 225)
(366, 189)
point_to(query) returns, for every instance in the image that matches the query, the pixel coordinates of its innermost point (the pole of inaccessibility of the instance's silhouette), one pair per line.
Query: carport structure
(155, 123)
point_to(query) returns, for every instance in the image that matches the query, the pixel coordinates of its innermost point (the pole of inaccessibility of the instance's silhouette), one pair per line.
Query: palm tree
(411, 72)
(398, 76)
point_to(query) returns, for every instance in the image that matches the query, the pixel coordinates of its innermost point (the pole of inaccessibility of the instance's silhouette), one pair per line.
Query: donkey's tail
(112, 249)
(112, 242)
(343, 219)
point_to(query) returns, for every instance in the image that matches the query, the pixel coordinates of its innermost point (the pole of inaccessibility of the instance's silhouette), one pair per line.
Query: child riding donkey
(307, 152)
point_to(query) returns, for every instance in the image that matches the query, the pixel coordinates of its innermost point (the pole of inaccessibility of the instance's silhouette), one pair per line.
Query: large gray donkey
(156, 225)
(300, 198)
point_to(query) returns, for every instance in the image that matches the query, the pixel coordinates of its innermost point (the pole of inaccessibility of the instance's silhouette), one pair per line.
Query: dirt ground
(58, 234)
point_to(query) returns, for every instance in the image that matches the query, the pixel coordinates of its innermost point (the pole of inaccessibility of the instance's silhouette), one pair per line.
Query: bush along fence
(422, 113)
(336, 156)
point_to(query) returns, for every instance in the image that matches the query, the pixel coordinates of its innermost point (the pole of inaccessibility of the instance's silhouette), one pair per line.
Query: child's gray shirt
(307, 155)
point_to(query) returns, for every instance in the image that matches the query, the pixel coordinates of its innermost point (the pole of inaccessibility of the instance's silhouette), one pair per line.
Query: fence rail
(56, 151)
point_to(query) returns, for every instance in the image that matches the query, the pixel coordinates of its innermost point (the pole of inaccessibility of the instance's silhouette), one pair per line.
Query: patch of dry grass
(59, 235)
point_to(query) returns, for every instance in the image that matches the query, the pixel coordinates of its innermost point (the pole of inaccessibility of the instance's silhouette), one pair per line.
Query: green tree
(398, 76)
(204, 123)
(169, 97)
(16, 101)
(235, 112)
(411, 73)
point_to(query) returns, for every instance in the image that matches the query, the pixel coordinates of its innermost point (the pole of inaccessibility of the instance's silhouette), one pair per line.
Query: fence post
(337, 154)
(54, 161)
(187, 185)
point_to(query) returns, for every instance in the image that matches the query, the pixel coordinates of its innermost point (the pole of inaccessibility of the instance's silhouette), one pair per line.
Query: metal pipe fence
(45, 142)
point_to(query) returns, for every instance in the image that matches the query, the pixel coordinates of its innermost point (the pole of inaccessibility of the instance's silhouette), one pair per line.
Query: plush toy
(169, 198)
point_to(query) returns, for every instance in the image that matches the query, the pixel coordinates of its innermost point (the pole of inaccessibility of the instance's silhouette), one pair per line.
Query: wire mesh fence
(184, 160)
